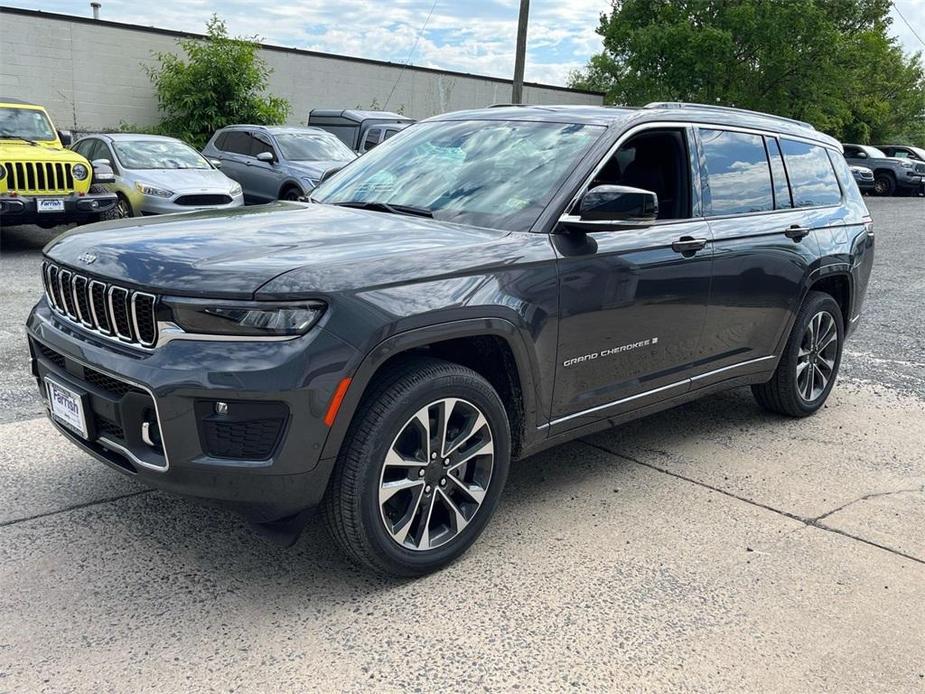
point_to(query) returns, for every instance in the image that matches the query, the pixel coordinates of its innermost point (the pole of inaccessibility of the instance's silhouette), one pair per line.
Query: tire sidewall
(480, 394)
(816, 303)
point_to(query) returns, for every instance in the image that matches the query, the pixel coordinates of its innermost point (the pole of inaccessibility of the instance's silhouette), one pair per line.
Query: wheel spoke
(400, 530)
(477, 494)
(820, 378)
(423, 419)
(395, 459)
(423, 539)
(446, 411)
(459, 520)
(801, 367)
(477, 424)
(810, 383)
(486, 448)
(390, 489)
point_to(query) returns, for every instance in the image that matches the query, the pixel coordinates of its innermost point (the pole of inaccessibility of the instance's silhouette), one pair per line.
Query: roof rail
(726, 109)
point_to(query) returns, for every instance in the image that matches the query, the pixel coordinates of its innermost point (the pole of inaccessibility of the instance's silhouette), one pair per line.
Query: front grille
(113, 386)
(920, 168)
(39, 177)
(250, 440)
(104, 308)
(204, 199)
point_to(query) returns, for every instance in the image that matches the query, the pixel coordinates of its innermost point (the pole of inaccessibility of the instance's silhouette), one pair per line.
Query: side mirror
(102, 171)
(65, 137)
(216, 163)
(616, 204)
(266, 156)
(861, 155)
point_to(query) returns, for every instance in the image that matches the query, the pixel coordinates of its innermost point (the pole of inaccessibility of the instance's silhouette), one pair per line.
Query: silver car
(159, 175)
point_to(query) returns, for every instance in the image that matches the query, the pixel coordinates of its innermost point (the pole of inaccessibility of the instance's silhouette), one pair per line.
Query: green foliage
(221, 82)
(829, 62)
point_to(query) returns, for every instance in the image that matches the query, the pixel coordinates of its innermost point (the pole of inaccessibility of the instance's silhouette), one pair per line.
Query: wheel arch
(286, 185)
(837, 283)
(492, 347)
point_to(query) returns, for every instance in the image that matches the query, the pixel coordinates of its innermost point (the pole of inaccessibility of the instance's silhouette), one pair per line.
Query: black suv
(482, 286)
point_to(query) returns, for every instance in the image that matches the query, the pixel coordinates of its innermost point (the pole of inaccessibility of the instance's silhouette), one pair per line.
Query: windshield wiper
(387, 207)
(7, 136)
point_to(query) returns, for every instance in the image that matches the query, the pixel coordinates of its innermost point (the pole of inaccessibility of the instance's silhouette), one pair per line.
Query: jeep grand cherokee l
(485, 285)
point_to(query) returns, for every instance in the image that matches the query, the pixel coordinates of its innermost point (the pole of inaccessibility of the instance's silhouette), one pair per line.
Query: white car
(159, 175)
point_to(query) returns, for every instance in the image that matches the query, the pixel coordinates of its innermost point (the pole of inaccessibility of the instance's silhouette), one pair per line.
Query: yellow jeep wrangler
(41, 182)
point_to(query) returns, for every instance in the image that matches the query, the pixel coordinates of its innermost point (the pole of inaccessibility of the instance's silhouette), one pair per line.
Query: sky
(474, 36)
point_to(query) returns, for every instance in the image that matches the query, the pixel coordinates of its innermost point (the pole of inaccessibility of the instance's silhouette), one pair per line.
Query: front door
(632, 301)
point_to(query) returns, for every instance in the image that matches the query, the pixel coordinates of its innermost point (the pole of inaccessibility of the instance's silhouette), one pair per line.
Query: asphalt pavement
(711, 547)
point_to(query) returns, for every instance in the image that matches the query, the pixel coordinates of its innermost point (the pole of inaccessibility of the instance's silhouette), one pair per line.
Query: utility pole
(517, 95)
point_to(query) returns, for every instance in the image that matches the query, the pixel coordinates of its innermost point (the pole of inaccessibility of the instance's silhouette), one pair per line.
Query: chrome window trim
(112, 313)
(685, 381)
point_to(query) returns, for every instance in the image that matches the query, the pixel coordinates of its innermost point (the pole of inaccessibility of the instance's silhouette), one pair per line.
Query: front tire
(422, 469)
(809, 365)
(884, 184)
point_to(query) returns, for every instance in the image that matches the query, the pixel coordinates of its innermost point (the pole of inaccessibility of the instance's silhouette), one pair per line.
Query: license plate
(67, 407)
(51, 205)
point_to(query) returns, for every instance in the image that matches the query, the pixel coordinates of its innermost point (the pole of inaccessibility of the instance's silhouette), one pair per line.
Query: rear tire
(291, 193)
(884, 184)
(809, 365)
(421, 470)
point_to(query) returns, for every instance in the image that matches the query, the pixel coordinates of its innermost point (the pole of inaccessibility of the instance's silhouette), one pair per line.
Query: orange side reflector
(336, 401)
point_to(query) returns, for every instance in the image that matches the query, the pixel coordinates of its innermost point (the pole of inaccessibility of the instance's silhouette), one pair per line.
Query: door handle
(796, 232)
(687, 245)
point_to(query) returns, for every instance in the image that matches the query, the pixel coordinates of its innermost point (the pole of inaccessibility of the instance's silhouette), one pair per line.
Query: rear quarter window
(812, 178)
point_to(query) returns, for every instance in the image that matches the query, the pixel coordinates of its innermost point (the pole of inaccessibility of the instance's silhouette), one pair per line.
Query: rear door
(765, 242)
(631, 302)
(234, 151)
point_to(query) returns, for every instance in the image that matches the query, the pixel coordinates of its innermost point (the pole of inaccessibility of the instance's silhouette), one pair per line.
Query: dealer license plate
(52, 205)
(67, 407)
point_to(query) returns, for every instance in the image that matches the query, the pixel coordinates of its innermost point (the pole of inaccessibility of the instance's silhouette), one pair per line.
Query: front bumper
(23, 209)
(174, 389)
(152, 204)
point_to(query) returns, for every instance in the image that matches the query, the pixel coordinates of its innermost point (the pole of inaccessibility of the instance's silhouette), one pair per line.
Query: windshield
(313, 147)
(25, 123)
(158, 154)
(498, 174)
(873, 151)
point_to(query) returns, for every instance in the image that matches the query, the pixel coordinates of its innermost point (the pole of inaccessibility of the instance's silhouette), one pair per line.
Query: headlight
(249, 318)
(235, 189)
(309, 183)
(80, 171)
(154, 190)
(907, 164)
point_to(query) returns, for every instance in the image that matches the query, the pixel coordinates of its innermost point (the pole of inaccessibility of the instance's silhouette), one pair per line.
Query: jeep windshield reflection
(498, 174)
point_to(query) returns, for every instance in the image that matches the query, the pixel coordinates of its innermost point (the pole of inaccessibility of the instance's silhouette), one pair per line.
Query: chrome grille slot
(119, 310)
(107, 309)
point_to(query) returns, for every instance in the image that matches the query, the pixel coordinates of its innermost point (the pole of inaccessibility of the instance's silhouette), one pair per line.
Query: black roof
(704, 114)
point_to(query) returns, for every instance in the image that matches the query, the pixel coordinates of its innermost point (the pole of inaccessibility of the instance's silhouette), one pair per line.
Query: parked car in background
(891, 175)
(864, 177)
(359, 130)
(41, 182)
(903, 152)
(160, 175)
(276, 163)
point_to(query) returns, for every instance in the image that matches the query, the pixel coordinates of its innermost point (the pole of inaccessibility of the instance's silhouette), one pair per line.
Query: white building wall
(89, 76)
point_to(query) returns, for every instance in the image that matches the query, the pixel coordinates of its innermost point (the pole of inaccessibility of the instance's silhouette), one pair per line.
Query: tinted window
(372, 139)
(388, 134)
(220, 140)
(854, 152)
(738, 178)
(260, 145)
(238, 142)
(778, 175)
(846, 178)
(812, 179)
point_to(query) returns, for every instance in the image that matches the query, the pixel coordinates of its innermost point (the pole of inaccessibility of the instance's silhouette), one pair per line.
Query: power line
(410, 53)
(906, 22)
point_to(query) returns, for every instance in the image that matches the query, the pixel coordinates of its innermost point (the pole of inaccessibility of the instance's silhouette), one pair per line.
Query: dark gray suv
(276, 163)
(891, 174)
(489, 284)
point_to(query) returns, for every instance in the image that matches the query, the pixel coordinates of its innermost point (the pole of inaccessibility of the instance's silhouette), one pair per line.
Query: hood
(20, 150)
(232, 253)
(183, 180)
(315, 169)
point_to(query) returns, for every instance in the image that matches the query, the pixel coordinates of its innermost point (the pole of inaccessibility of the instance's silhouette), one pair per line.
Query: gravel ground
(711, 547)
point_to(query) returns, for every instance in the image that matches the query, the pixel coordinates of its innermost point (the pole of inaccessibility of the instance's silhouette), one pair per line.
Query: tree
(829, 62)
(221, 82)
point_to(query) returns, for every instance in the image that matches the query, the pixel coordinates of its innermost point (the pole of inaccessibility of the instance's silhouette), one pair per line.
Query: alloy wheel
(122, 209)
(436, 474)
(816, 356)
